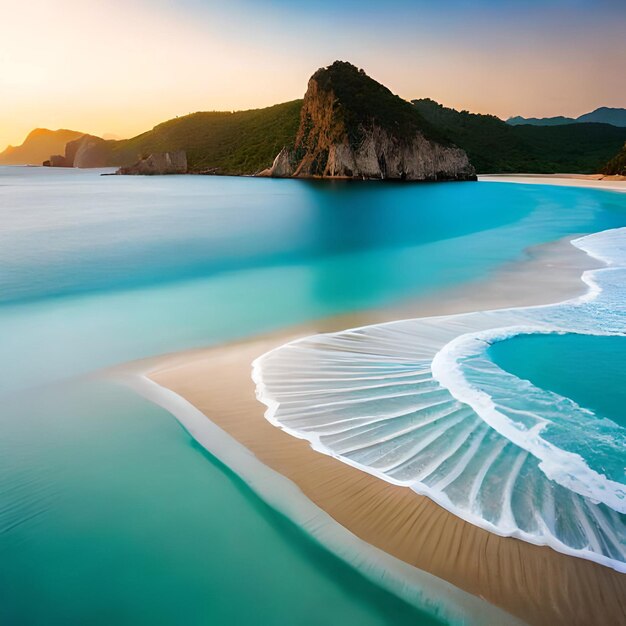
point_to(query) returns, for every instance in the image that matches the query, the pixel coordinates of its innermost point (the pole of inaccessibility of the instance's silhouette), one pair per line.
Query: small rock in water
(158, 163)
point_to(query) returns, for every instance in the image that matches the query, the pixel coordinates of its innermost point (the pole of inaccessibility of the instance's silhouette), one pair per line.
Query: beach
(535, 584)
(333, 338)
(589, 181)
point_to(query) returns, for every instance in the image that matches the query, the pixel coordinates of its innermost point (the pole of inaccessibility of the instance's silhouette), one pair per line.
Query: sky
(122, 66)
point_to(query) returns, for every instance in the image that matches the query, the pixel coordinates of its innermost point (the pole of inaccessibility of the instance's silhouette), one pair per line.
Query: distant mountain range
(603, 115)
(38, 146)
(349, 125)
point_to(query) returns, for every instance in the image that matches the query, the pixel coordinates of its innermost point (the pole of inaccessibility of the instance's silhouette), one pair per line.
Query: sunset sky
(123, 66)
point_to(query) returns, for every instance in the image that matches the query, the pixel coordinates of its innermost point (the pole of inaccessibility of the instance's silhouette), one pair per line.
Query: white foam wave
(427, 592)
(347, 394)
(566, 468)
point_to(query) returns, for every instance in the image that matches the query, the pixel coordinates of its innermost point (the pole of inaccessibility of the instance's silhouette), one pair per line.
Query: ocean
(109, 512)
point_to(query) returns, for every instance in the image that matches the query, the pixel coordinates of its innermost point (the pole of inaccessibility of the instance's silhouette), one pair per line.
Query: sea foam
(429, 593)
(419, 404)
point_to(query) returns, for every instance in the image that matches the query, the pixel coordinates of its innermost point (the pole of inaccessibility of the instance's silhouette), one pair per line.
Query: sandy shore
(592, 181)
(537, 584)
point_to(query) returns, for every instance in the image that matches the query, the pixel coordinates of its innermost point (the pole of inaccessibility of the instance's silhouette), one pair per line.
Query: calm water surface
(591, 370)
(109, 513)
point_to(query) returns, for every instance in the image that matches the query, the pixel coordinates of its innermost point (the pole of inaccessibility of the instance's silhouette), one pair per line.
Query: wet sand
(537, 584)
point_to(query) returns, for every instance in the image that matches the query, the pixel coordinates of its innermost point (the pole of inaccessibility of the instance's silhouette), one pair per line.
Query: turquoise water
(421, 403)
(112, 515)
(98, 270)
(588, 369)
(108, 511)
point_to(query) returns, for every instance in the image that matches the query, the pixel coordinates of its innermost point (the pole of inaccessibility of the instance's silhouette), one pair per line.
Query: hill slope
(603, 115)
(617, 165)
(243, 142)
(494, 146)
(353, 127)
(38, 146)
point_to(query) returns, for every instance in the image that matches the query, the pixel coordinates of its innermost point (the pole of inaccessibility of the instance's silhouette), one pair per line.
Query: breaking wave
(419, 403)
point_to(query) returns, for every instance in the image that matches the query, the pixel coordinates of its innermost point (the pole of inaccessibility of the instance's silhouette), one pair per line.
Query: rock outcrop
(88, 151)
(353, 127)
(158, 163)
(58, 160)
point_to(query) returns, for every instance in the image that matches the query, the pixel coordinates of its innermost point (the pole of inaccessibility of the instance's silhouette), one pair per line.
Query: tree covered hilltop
(353, 127)
(496, 147)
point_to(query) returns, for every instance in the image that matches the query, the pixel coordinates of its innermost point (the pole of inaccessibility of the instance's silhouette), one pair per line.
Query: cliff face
(161, 163)
(88, 151)
(353, 127)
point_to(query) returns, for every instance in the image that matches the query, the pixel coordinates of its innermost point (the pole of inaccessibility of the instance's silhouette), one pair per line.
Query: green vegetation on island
(494, 146)
(243, 142)
(353, 127)
(247, 142)
(364, 102)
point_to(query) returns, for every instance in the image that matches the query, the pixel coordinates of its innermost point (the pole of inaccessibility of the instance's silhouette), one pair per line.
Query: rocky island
(353, 127)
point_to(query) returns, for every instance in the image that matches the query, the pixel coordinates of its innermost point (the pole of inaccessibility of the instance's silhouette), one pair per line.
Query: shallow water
(109, 512)
(115, 516)
(588, 369)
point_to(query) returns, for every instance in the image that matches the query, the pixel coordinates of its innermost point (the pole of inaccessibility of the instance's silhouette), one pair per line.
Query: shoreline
(588, 181)
(504, 571)
(613, 182)
(275, 393)
(419, 588)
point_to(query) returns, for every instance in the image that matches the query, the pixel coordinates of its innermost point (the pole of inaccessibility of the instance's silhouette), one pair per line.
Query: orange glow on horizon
(121, 67)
